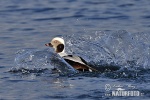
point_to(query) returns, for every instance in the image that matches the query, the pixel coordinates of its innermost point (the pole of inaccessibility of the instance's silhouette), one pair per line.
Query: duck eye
(55, 41)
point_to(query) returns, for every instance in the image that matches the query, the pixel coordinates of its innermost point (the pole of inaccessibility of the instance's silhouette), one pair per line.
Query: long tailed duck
(75, 61)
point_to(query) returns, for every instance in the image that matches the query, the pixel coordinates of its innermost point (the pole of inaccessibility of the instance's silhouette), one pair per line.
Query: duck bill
(49, 45)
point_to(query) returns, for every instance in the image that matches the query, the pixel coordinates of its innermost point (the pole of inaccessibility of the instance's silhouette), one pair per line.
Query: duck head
(58, 44)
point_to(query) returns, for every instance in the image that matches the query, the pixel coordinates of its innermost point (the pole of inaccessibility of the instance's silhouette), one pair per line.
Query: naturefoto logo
(122, 90)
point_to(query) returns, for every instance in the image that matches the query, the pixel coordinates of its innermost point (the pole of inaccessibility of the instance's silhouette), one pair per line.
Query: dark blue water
(113, 34)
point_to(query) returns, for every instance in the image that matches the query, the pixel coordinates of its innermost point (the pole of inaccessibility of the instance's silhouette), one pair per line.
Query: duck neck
(63, 53)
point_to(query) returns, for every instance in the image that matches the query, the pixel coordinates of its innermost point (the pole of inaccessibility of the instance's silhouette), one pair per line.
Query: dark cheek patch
(60, 48)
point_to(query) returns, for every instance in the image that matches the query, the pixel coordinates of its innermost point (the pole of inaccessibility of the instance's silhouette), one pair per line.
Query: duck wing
(78, 62)
(75, 59)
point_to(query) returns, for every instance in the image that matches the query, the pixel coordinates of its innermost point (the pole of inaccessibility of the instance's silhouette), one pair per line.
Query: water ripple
(34, 10)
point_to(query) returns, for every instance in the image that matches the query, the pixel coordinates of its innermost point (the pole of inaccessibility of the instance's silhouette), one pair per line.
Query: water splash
(29, 61)
(128, 51)
(119, 48)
